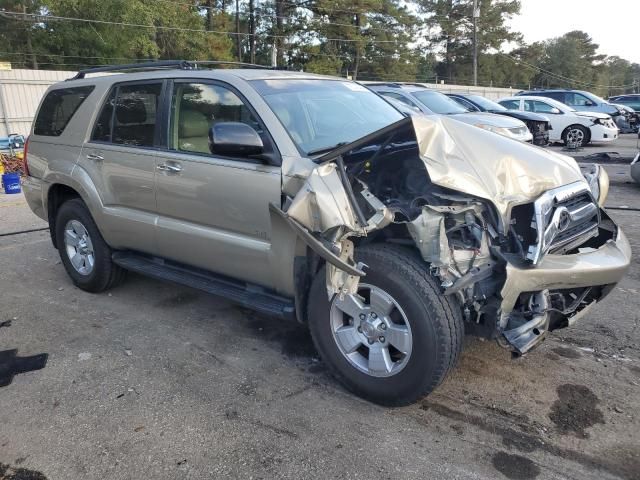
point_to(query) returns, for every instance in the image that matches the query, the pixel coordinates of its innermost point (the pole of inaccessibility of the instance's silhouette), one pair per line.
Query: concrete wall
(492, 93)
(21, 91)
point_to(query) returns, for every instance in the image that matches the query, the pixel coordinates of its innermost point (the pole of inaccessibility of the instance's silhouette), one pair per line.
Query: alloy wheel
(371, 331)
(79, 248)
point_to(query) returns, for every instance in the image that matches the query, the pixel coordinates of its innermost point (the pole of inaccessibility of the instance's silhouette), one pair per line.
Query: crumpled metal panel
(322, 203)
(471, 160)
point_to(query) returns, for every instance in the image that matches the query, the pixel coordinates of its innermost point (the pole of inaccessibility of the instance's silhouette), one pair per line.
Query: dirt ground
(158, 381)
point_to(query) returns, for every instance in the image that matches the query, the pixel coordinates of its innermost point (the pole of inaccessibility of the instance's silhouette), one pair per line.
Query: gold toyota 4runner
(312, 198)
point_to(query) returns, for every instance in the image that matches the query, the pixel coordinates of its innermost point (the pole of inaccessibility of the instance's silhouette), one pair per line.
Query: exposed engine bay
(481, 243)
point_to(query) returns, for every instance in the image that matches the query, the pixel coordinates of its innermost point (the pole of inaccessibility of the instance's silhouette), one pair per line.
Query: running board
(247, 295)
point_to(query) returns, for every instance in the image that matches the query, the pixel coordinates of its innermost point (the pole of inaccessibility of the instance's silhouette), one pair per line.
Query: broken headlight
(598, 181)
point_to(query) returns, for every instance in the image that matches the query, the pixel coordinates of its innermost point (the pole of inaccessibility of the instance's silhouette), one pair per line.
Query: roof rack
(178, 64)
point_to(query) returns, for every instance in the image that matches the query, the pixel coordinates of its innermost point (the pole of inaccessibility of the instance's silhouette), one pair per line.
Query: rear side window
(128, 116)
(57, 109)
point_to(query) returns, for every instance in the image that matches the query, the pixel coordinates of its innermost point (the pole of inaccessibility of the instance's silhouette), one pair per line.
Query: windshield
(486, 104)
(319, 114)
(438, 102)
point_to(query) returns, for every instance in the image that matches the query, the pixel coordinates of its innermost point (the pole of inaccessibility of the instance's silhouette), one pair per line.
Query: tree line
(390, 40)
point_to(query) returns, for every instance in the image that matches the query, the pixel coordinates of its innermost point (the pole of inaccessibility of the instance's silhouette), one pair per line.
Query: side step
(247, 295)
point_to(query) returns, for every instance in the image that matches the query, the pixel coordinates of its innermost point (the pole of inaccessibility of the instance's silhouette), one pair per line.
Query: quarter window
(196, 107)
(57, 109)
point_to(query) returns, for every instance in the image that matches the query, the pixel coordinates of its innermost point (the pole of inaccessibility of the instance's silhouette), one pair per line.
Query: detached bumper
(34, 194)
(603, 267)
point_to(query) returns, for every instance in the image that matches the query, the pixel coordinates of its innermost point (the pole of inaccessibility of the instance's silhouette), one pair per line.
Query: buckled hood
(504, 171)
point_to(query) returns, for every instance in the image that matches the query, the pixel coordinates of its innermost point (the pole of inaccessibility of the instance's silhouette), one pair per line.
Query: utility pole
(476, 15)
(239, 43)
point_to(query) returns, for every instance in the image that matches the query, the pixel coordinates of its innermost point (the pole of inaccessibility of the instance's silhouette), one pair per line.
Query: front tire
(398, 338)
(85, 255)
(577, 135)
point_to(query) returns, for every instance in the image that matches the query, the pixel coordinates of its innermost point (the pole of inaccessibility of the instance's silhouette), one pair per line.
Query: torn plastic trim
(317, 245)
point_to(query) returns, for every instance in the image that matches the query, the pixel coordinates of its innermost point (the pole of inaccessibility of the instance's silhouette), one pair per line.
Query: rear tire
(432, 321)
(85, 255)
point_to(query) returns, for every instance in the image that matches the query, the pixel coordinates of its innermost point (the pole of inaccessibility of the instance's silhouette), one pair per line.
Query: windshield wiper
(318, 151)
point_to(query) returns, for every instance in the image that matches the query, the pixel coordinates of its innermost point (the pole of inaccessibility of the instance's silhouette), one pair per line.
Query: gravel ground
(158, 381)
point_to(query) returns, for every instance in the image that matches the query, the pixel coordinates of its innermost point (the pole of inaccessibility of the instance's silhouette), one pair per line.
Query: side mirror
(555, 111)
(234, 139)
(591, 104)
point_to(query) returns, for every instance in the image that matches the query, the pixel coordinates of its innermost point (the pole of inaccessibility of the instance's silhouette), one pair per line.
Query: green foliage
(401, 40)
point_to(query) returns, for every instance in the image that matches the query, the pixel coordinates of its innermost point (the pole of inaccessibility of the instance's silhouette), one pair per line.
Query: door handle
(169, 168)
(95, 157)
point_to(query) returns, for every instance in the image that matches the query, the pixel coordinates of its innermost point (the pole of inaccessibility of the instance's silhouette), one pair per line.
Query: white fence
(21, 91)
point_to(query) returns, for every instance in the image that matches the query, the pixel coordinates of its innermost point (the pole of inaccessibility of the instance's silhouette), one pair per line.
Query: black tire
(435, 320)
(105, 274)
(585, 132)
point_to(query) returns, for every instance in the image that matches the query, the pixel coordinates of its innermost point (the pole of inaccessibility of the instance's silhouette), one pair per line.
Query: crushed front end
(516, 234)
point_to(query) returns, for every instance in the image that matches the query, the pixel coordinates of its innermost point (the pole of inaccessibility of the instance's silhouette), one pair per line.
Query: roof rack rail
(159, 64)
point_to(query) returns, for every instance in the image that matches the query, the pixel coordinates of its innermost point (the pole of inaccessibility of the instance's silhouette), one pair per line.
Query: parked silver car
(310, 197)
(430, 102)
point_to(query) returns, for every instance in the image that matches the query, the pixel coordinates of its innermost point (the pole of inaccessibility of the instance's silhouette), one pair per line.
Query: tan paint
(480, 163)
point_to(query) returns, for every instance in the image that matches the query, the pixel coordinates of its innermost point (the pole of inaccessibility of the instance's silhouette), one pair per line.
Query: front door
(120, 159)
(214, 210)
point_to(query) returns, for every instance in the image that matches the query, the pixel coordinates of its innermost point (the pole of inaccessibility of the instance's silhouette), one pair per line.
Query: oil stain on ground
(11, 365)
(295, 340)
(525, 439)
(178, 300)
(575, 410)
(515, 467)
(567, 352)
(14, 473)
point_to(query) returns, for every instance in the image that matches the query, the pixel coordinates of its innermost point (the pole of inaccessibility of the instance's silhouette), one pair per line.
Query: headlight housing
(598, 181)
(494, 129)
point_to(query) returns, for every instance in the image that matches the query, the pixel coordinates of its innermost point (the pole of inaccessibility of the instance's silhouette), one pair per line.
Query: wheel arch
(64, 187)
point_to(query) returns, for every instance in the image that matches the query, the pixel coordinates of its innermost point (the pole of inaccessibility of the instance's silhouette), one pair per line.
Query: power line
(43, 18)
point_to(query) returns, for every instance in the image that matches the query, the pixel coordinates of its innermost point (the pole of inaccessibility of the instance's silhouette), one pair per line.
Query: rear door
(214, 210)
(120, 159)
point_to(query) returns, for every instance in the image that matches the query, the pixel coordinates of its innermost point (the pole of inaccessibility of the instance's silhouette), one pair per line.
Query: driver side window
(576, 100)
(196, 107)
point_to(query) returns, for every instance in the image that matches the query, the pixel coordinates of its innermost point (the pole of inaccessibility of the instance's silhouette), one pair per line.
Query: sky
(613, 24)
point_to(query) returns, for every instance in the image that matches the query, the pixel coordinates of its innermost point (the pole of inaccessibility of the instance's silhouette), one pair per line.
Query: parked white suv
(569, 125)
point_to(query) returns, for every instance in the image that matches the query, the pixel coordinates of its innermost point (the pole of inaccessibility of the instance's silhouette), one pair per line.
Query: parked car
(538, 124)
(311, 198)
(627, 122)
(632, 101)
(579, 99)
(569, 125)
(12, 145)
(635, 168)
(431, 102)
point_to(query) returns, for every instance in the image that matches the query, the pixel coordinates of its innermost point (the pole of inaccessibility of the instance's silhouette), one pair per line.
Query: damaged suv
(312, 198)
